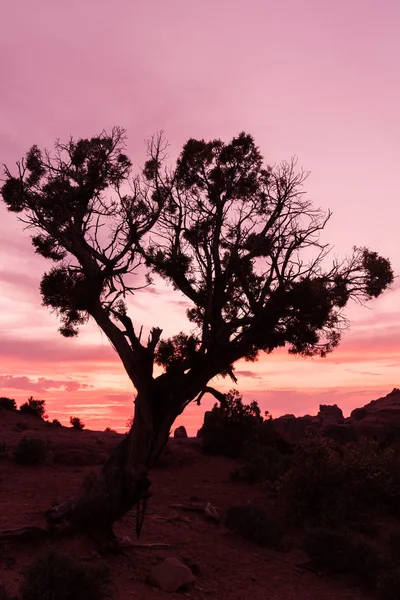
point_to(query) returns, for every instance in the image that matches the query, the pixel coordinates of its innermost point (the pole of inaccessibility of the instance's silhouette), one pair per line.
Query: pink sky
(315, 79)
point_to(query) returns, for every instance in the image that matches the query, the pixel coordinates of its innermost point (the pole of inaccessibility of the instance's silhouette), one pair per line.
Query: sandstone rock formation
(380, 420)
(180, 432)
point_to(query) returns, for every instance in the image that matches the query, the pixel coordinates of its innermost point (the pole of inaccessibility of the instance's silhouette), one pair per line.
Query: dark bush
(7, 404)
(79, 455)
(33, 407)
(89, 480)
(59, 577)
(128, 425)
(30, 451)
(254, 524)
(109, 430)
(56, 423)
(267, 455)
(5, 594)
(394, 546)
(329, 485)
(228, 425)
(341, 551)
(21, 426)
(76, 423)
(3, 451)
(389, 583)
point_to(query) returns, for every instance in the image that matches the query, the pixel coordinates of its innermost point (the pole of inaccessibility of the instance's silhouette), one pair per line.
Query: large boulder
(180, 432)
(171, 575)
(331, 413)
(380, 419)
(292, 428)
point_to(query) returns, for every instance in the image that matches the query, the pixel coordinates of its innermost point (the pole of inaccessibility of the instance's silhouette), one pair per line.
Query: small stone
(211, 512)
(171, 575)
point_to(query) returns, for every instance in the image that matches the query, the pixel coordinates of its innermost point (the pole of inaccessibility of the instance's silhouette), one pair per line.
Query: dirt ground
(227, 567)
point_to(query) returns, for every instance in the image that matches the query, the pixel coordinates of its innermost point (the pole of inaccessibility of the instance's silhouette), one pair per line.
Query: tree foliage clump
(36, 408)
(229, 425)
(30, 451)
(76, 423)
(237, 237)
(59, 577)
(7, 404)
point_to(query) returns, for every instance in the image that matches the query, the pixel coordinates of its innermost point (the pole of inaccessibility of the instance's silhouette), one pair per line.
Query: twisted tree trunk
(122, 482)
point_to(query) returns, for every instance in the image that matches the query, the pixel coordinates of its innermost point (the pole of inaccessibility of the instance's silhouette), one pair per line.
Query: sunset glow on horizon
(310, 79)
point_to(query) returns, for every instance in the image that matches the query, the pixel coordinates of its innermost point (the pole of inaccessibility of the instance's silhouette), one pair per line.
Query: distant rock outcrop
(380, 420)
(331, 413)
(180, 432)
(292, 428)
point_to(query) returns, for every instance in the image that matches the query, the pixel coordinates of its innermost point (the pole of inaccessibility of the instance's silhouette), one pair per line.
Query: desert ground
(225, 565)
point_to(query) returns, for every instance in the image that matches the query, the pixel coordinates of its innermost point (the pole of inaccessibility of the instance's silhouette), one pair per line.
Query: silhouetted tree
(36, 408)
(239, 239)
(76, 423)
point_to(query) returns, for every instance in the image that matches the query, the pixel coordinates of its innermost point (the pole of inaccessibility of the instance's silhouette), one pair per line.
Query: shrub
(59, 577)
(312, 487)
(3, 453)
(109, 430)
(389, 583)
(227, 426)
(30, 451)
(263, 464)
(329, 485)
(33, 407)
(254, 524)
(89, 480)
(394, 546)
(4, 593)
(268, 456)
(343, 552)
(53, 423)
(128, 425)
(76, 423)
(21, 426)
(7, 404)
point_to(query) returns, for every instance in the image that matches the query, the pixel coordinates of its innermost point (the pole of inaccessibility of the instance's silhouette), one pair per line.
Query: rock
(211, 513)
(341, 433)
(380, 419)
(180, 432)
(171, 575)
(358, 413)
(330, 413)
(293, 429)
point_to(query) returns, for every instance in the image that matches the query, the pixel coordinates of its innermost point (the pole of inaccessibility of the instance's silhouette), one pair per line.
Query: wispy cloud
(41, 384)
(357, 372)
(250, 374)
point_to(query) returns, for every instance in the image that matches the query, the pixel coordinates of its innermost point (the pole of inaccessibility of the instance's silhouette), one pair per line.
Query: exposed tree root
(190, 507)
